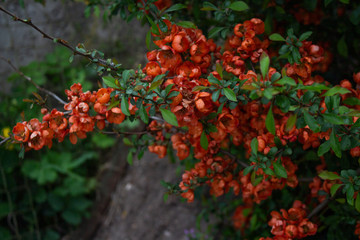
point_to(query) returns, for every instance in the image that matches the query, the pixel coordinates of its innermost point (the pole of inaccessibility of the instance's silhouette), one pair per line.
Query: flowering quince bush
(253, 118)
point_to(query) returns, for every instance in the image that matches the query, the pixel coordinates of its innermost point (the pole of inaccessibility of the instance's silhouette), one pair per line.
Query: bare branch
(31, 81)
(98, 61)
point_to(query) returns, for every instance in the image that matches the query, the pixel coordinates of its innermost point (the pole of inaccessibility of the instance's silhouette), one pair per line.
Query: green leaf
(357, 203)
(354, 16)
(204, 141)
(342, 47)
(166, 196)
(286, 80)
(143, 114)
(154, 27)
(71, 217)
(128, 142)
(110, 82)
(315, 87)
(175, 7)
(186, 24)
(169, 117)
(129, 158)
(214, 31)
(276, 37)
(156, 83)
(215, 95)
(207, 6)
(248, 169)
(311, 122)
(219, 69)
(254, 146)
(113, 104)
(279, 169)
(305, 36)
(255, 180)
(336, 90)
(270, 121)
(126, 74)
(148, 40)
(350, 195)
(125, 106)
(239, 6)
(291, 122)
(335, 144)
(199, 88)
(323, 148)
(269, 171)
(334, 189)
(332, 118)
(264, 64)
(230, 94)
(352, 101)
(326, 175)
(213, 80)
(283, 103)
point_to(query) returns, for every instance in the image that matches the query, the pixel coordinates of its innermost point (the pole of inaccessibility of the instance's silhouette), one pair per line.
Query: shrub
(267, 132)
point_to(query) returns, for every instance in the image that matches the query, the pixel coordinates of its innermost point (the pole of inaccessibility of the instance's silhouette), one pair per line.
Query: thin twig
(31, 81)
(319, 207)
(62, 42)
(244, 164)
(157, 118)
(5, 140)
(125, 133)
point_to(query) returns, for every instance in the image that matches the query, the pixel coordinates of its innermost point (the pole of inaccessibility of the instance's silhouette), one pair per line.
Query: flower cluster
(291, 224)
(263, 190)
(76, 122)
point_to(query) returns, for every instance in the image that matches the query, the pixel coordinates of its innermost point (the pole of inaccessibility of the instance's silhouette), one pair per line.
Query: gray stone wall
(65, 19)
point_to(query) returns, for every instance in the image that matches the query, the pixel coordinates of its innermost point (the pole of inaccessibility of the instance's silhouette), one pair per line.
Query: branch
(30, 80)
(244, 164)
(5, 140)
(125, 133)
(98, 61)
(319, 207)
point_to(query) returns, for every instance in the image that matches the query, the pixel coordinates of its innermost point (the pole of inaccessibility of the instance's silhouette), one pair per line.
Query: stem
(125, 133)
(319, 208)
(244, 164)
(98, 61)
(4, 141)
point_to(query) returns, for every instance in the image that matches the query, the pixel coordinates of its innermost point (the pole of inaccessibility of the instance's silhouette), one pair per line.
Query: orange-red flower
(21, 132)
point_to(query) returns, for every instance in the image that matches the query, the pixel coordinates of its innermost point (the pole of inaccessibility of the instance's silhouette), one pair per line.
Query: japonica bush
(261, 105)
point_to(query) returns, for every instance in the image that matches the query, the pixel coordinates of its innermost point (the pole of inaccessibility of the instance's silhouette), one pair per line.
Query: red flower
(115, 115)
(21, 132)
(36, 140)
